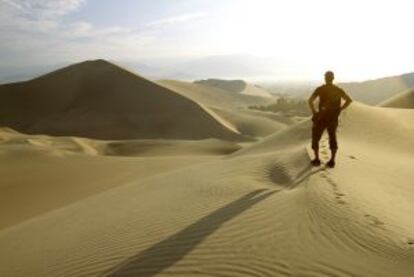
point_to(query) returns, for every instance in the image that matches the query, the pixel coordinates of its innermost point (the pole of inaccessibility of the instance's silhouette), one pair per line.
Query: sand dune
(44, 173)
(236, 86)
(254, 123)
(260, 211)
(97, 99)
(378, 90)
(212, 96)
(256, 90)
(403, 100)
(230, 100)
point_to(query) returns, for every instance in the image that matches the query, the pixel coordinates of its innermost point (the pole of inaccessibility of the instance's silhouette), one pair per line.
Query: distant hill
(100, 100)
(236, 86)
(371, 92)
(403, 100)
(376, 91)
(218, 66)
(155, 72)
(229, 67)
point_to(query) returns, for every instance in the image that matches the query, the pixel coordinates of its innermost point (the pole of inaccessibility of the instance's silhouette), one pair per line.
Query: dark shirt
(329, 98)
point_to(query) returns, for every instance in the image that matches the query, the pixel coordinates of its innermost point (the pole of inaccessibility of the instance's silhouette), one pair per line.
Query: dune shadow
(167, 252)
(304, 175)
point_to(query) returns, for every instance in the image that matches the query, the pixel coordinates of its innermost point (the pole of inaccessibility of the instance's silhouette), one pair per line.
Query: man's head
(329, 77)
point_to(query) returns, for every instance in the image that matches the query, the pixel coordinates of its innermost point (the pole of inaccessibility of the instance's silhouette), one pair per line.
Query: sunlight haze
(299, 39)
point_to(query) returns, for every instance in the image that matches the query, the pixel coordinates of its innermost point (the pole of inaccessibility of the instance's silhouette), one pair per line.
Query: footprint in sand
(338, 195)
(332, 183)
(374, 221)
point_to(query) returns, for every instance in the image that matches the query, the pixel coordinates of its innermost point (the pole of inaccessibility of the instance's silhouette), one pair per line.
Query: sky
(358, 39)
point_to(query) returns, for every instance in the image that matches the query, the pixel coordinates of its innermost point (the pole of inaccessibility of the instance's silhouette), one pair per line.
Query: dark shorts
(322, 122)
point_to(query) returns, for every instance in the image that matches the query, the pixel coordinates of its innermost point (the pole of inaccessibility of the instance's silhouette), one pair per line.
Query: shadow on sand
(281, 177)
(304, 175)
(172, 249)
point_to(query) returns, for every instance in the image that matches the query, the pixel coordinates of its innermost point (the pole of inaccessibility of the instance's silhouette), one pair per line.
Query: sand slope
(236, 86)
(379, 90)
(230, 100)
(403, 100)
(260, 211)
(97, 99)
(254, 123)
(44, 173)
(213, 96)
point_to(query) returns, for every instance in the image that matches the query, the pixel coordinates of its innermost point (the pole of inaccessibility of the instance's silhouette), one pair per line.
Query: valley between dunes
(231, 203)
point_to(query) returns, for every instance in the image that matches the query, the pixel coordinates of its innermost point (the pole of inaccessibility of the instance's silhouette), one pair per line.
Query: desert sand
(216, 206)
(401, 100)
(231, 100)
(376, 91)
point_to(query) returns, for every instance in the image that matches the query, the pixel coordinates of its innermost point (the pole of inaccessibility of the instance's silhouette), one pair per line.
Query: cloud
(34, 15)
(40, 8)
(177, 19)
(40, 32)
(37, 32)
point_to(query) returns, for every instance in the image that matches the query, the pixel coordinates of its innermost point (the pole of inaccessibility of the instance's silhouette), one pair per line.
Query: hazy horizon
(260, 40)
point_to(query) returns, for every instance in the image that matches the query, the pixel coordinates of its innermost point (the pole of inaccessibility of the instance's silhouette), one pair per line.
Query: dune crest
(97, 99)
(404, 100)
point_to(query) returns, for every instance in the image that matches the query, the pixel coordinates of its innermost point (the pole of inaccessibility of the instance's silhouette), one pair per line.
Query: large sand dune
(403, 100)
(258, 211)
(97, 99)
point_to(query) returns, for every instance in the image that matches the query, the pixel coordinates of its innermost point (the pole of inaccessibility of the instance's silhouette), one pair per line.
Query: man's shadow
(167, 252)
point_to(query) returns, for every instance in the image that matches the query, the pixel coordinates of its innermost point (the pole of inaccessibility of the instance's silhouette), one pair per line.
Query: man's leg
(333, 143)
(317, 131)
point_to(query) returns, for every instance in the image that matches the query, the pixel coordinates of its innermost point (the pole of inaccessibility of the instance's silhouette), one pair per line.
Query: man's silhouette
(330, 106)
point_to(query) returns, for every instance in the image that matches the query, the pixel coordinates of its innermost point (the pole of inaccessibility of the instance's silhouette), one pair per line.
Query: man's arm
(348, 101)
(311, 101)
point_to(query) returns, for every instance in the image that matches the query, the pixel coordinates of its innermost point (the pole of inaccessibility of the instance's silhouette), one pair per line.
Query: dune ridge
(376, 91)
(404, 100)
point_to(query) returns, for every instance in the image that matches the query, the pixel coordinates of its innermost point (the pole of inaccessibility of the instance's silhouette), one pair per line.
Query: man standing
(330, 106)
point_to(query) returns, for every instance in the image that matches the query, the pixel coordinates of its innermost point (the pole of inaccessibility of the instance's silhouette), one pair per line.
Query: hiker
(326, 117)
